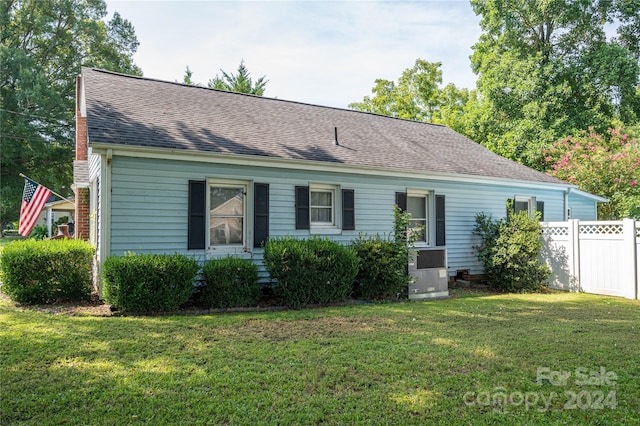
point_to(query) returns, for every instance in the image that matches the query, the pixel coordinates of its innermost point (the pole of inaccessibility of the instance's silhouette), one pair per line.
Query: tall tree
(187, 78)
(546, 69)
(417, 95)
(607, 165)
(43, 44)
(240, 82)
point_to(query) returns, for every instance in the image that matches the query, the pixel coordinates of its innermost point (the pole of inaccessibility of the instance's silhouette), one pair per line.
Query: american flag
(33, 199)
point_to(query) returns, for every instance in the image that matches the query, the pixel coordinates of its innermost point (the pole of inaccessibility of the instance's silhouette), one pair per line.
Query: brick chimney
(80, 168)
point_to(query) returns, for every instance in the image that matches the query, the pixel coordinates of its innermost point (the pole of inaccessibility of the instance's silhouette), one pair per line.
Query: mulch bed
(97, 308)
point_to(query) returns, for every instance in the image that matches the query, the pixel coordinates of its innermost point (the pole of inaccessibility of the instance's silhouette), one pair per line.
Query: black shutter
(348, 210)
(440, 223)
(196, 212)
(302, 207)
(401, 200)
(540, 208)
(260, 214)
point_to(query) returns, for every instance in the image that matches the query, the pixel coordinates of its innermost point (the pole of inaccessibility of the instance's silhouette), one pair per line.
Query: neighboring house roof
(61, 205)
(141, 112)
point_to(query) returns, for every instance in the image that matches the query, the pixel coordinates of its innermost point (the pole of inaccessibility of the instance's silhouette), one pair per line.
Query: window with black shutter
(540, 209)
(348, 210)
(526, 204)
(260, 214)
(302, 207)
(401, 200)
(440, 221)
(418, 204)
(196, 215)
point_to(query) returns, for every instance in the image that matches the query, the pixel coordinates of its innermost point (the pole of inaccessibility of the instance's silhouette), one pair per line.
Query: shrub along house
(163, 167)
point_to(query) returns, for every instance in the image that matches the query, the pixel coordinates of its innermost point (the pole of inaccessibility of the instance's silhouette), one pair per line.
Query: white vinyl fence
(594, 257)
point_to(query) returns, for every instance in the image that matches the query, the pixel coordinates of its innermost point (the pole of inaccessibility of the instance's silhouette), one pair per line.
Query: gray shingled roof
(135, 111)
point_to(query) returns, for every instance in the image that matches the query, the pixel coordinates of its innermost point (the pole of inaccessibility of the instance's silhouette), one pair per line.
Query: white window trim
(333, 227)
(430, 219)
(531, 201)
(244, 247)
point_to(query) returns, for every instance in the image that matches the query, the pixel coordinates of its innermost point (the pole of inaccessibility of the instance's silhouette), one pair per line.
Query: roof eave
(589, 195)
(298, 164)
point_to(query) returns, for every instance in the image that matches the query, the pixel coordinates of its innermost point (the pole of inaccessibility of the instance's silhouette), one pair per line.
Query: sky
(325, 53)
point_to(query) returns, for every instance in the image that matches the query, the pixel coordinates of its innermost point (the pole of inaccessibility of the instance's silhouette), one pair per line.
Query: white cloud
(326, 53)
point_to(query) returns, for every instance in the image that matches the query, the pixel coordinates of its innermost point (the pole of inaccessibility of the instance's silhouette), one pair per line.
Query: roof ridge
(176, 83)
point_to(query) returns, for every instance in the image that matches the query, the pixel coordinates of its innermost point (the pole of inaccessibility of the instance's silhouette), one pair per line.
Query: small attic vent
(336, 138)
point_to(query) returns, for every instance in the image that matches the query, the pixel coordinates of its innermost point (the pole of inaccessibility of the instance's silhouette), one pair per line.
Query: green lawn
(439, 362)
(7, 240)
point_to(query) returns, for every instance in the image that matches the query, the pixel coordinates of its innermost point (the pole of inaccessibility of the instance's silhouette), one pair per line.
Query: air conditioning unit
(428, 268)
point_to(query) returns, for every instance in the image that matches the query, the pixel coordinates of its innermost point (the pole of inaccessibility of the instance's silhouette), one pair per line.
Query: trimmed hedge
(42, 271)
(230, 282)
(310, 271)
(382, 271)
(148, 282)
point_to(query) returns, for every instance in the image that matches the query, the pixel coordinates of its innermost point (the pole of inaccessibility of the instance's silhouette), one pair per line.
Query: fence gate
(594, 257)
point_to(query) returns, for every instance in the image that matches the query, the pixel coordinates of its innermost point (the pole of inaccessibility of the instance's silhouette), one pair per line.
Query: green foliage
(39, 232)
(382, 272)
(44, 44)
(607, 165)
(148, 282)
(61, 221)
(383, 262)
(417, 96)
(404, 235)
(310, 271)
(239, 83)
(45, 271)
(548, 69)
(10, 233)
(187, 78)
(230, 282)
(510, 252)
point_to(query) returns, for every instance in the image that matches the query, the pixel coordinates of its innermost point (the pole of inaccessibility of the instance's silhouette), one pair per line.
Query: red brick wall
(82, 194)
(81, 126)
(82, 213)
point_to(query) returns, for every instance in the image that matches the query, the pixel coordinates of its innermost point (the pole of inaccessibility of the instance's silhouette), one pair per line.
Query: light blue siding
(149, 201)
(582, 208)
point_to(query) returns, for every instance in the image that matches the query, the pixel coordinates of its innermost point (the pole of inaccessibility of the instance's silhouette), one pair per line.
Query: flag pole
(54, 193)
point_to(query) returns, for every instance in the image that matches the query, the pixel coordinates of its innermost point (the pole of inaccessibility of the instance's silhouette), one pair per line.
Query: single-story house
(163, 167)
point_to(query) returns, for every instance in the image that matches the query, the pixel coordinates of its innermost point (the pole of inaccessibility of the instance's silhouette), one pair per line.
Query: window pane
(226, 230)
(226, 201)
(417, 206)
(321, 214)
(321, 207)
(418, 228)
(321, 199)
(226, 215)
(520, 206)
